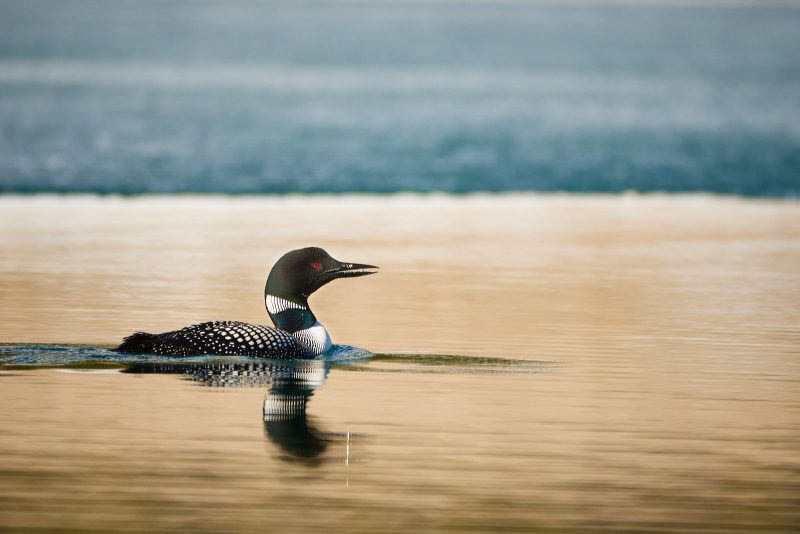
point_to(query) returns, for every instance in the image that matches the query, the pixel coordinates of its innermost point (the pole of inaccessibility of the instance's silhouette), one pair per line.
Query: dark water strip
(247, 97)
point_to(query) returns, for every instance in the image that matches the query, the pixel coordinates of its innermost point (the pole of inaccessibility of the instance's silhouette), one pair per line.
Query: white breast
(316, 339)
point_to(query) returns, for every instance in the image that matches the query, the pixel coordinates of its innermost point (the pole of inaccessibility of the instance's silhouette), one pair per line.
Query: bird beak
(351, 270)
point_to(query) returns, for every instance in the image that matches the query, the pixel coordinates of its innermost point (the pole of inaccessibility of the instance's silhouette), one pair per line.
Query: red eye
(316, 265)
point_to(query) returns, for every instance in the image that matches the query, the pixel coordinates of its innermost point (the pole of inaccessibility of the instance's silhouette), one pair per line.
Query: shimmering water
(240, 96)
(526, 364)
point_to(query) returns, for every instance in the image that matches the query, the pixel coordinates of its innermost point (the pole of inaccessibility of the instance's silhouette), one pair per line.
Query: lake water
(529, 363)
(240, 96)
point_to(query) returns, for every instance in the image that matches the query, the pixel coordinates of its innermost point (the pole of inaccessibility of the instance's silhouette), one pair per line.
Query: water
(595, 363)
(276, 97)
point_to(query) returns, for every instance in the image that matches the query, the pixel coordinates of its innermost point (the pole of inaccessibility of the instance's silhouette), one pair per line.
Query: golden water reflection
(660, 334)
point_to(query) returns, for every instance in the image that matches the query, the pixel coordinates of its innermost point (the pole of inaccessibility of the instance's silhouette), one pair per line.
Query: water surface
(594, 363)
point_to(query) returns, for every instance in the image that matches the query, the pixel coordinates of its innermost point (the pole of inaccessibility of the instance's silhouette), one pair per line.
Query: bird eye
(316, 265)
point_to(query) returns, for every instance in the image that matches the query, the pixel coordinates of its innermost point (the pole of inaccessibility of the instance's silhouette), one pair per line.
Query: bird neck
(294, 316)
(289, 314)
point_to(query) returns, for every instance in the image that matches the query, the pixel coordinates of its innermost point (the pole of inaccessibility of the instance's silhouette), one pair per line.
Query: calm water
(615, 364)
(240, 96)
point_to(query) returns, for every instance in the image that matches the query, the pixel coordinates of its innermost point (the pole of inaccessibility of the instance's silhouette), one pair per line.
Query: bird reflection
(285, 421)
(290, 384)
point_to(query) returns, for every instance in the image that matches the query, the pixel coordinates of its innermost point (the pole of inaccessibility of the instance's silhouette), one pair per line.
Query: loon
(297, 333)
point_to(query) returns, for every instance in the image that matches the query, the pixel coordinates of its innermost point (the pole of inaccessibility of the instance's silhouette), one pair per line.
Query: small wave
(449, 363)
(344, 357)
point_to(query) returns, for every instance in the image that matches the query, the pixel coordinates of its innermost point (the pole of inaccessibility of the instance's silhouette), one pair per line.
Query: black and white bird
(297, 333)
